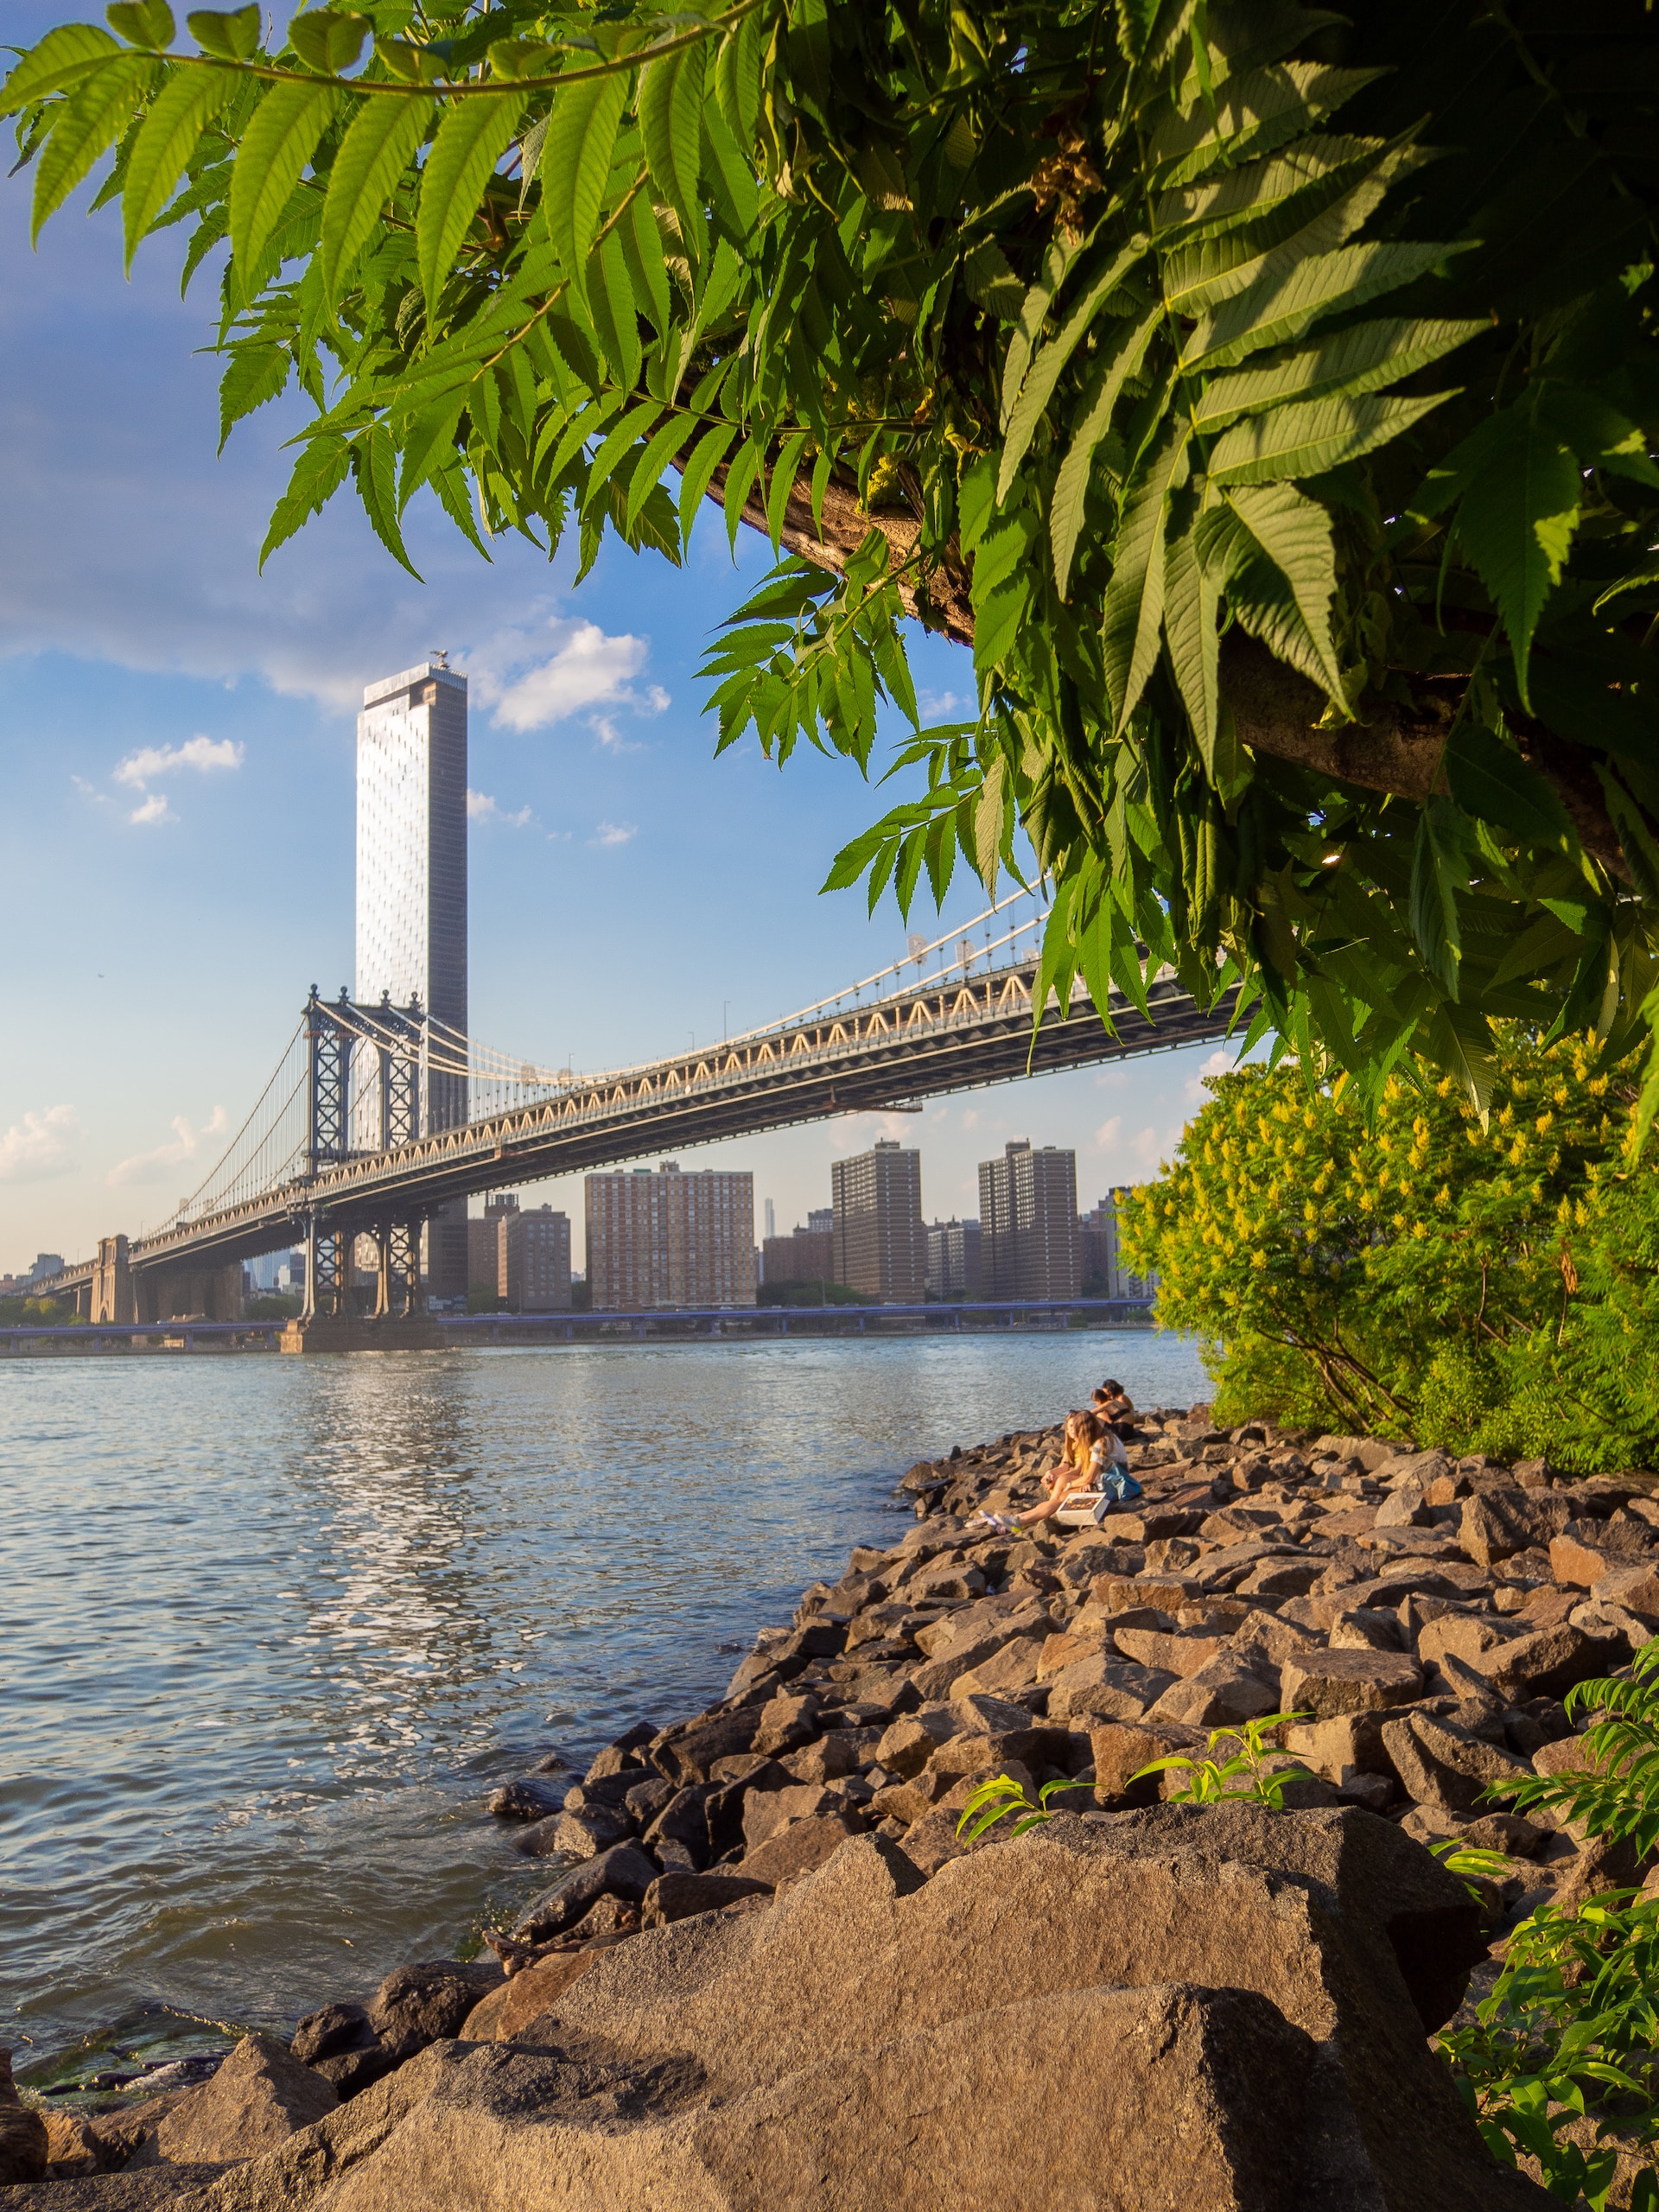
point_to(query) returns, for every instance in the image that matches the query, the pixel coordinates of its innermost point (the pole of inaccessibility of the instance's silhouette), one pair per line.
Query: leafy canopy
(1487, 1284)
(1267, 396)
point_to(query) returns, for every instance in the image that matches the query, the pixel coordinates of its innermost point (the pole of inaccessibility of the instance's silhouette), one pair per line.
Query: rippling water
(267, 1628)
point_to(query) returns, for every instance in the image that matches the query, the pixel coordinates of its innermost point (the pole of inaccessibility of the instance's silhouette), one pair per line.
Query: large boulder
(22, 2131)
(623, 1871)
(418, 2004)
(1244, 1998)
(260, 2096)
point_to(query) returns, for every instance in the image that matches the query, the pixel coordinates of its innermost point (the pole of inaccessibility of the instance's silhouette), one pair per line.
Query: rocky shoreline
(1426, 1614)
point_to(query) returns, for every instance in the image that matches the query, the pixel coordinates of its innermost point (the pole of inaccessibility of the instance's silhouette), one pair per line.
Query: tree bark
(1396, 749)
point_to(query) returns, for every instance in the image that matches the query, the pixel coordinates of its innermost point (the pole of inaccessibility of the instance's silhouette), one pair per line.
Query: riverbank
(1426, 1615)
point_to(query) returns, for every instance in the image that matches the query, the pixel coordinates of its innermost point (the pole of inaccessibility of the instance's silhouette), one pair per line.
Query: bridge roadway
(921, 1041)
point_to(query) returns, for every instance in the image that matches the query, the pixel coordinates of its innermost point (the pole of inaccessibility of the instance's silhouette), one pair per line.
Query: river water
(270, 1628)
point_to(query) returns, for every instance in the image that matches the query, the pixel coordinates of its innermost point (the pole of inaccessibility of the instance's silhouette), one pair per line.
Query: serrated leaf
(1255, 112)
(63, 58)
(1036, 387)
(471, 139)
(256, 374)
(642, 250)
(231, 35)
(94, 116)
(381, 141)
(698, 472)
(739, 478)
(144, 22)
(1069, 503)
(990, 283)
(1271, 552)
(1439, 870)
(1191, 606)
(783, 483)
(671, 113)
(1492, 784)
(665, 443)
(1347, 362)
(280, 139)
(1280, 308)
(634, 425)
(576, 167)
(737, 73)
(611, 310)
(1308, 436)
(167, 138)
(1521, 489)
(321, 468)
(328, 40)
(1133, 606)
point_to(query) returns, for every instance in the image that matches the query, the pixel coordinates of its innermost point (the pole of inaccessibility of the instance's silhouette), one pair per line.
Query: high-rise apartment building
(807, 1255)
(953, 1261)
(821, 1221)
(659, 1241)
(1104, 1274)
(536, 1260)
(486, 1251)
(411, 891)
(1028, 1223)
(880, 1247)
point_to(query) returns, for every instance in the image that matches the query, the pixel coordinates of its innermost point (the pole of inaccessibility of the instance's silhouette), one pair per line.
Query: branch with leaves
(1268, 401)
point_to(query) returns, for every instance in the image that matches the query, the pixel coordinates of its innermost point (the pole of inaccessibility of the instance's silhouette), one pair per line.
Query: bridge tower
(334, 1032)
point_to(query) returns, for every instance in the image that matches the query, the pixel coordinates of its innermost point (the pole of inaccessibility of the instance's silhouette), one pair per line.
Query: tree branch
(1397, 749)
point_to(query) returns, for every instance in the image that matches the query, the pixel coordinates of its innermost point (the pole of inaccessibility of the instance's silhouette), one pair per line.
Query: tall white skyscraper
(411, 888)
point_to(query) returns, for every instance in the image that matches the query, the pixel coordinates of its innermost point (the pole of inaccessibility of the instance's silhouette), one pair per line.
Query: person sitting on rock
(1092, 1476)
(1113, 1405)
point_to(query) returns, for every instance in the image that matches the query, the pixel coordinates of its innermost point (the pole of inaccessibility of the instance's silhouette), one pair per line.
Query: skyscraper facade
(537, 1243)
(1028, 1223)
(880, 1246)
(659, 1241)
(953, 1261)
(411, 891)
(1104, 1274)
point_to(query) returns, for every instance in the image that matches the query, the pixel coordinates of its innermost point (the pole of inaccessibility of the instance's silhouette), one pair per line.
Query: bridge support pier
(189, 1294)
(113, 1298)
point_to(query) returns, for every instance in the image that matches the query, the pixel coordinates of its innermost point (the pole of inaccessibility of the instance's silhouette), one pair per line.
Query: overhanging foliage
(1267, 397)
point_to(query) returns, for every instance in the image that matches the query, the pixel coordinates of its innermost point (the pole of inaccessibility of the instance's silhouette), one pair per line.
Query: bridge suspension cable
(272, 1148)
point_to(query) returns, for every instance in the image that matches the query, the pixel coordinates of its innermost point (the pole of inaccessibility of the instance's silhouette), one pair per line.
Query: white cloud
(39, 1146)
(155, 809)
(91, 791)
(526, 688)
(481, 807)
(614, 833)
(1109, 1132)
(204, 754)
(1218, 1063)
(157, 1166)
(941, 706)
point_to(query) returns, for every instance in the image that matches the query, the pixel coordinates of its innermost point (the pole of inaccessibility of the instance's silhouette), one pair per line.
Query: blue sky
(176, 745)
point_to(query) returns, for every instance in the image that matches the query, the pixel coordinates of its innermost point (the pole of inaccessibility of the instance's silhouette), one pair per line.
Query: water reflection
(268, 1625)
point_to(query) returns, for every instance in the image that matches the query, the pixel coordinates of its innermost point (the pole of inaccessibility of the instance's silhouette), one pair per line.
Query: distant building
(537, 1258)
(772, 1218)
(659, 1241)
(821, 1221)
(953, 1261)
(807, 1256)
(411, 893)
(487, 1248)
(46, 1263)
(880, 1246)
(1103, 1272)
(1028, 1223)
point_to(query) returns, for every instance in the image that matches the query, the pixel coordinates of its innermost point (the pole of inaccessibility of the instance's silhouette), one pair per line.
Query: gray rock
(1444, 1767)
(528, 1799)
(422, 2004)
(330, 2029)
(259, 2098)
(622, 1871)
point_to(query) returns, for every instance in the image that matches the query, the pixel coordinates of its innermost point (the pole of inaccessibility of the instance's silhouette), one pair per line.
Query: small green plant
(1465, 1860)
(1615, 1794)
(1243, 1775)
(994, 1800)
(1571, 2023)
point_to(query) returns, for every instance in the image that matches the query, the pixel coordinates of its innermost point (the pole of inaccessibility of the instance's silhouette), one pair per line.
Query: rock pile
(764, 1917)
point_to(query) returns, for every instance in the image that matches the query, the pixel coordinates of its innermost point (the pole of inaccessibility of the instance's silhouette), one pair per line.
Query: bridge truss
(342, 1144)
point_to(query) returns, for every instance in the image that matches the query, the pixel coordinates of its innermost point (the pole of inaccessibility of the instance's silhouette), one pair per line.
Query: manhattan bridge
(343, 1151)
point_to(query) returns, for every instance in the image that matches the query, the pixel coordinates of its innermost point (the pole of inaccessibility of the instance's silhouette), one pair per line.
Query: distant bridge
(337, 1147)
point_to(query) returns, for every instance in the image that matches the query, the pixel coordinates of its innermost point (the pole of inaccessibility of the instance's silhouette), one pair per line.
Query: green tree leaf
(1282, 307)
(231, 35)
(328, 40)
(1439, 868)
(1271, 550)
(95, 114)
(576, 167)
(670, 123)
(1308, 436)
(167, 138)
(471, 139)
(1191, 605)
(1134, 598)
(381, 141)
(143, 22)
(1037, 388)
(64, 57)
(698, 472)
(1348, 362)
(280, 139)
(1492, 783)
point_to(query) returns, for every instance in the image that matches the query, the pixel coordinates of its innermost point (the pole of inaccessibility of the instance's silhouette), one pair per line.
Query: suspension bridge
(377, 1116)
